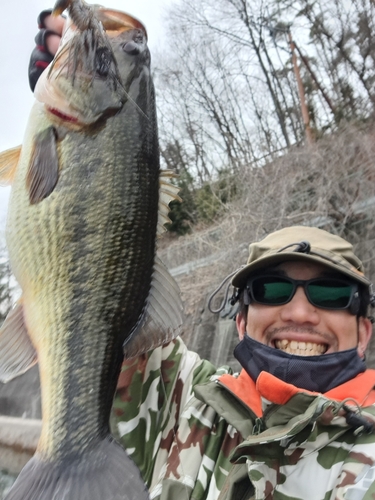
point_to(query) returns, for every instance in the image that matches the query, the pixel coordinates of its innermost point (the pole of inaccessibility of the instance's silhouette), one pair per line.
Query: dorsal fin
(8, 165)
(163, 315)
(167, 193)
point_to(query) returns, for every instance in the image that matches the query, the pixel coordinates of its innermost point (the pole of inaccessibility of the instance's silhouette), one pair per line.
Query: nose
(299, 310)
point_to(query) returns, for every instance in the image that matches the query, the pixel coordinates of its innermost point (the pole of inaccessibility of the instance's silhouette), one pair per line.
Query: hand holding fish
(47, 43)
(54, 24)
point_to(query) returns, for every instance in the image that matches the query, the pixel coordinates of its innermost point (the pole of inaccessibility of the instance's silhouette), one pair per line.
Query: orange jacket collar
(360, 388)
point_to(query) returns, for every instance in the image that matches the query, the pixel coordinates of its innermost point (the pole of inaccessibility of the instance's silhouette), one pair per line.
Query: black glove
(40, 57)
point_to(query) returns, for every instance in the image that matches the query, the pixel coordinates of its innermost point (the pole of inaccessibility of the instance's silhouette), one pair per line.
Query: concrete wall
(20, 425)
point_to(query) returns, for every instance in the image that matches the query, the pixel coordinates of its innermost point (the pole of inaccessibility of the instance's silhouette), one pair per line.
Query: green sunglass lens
(325, 293)
(270, 291)
(330, 294)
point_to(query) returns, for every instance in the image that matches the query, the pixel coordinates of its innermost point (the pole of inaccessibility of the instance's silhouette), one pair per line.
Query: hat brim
(239, 280)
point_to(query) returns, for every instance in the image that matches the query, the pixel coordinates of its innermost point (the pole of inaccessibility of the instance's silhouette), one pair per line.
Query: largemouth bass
(88, 201)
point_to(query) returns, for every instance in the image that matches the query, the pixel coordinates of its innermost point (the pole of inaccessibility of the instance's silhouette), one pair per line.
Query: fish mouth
(63, 116)
(301, 348)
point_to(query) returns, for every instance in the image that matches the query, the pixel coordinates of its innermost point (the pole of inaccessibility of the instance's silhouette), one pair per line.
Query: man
(298, 421)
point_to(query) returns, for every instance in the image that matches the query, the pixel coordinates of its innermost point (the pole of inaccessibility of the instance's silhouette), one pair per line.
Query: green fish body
(81, 234)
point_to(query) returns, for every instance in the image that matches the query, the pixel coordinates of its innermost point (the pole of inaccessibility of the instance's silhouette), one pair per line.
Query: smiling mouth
(301, 348)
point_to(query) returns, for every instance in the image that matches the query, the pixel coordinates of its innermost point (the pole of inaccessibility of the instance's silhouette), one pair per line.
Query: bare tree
(231, 96)
(330, 185)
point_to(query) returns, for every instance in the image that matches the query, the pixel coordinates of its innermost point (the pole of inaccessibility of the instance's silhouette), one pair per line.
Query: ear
(241, 325)
(364, 335)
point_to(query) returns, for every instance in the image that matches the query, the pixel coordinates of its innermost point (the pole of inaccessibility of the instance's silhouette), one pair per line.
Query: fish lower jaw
(301, 348)
(63, 116)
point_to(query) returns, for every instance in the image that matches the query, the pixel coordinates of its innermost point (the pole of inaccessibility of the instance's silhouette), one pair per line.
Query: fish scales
(91, 242)
(81, 238)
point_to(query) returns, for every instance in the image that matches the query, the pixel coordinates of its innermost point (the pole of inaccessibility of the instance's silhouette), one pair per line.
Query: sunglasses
(325, 293)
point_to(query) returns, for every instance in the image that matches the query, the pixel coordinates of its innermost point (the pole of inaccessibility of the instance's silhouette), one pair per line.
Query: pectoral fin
(17, 354)
(43, 172)
(163, 315)
(8, 165)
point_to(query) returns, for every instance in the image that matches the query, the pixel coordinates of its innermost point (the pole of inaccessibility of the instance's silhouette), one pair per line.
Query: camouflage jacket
(200, 433)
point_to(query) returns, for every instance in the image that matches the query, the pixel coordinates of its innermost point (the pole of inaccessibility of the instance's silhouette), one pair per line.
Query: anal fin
(17, 354)
(163, 316)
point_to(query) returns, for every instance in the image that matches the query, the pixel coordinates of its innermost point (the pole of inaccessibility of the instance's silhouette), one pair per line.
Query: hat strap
(302, 247)
(215, 292)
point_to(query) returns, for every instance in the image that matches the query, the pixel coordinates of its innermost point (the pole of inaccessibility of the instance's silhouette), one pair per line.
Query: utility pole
(301, 92)
(314, 77)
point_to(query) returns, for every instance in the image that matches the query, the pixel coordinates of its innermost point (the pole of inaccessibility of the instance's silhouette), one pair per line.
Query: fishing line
(118, 81)
(135, 104)
(71, 45)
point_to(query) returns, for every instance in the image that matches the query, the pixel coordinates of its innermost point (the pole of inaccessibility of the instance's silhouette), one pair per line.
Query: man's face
(299, 327)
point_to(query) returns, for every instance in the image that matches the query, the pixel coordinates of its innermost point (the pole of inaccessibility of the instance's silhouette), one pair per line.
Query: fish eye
(103, 61)
(131, 48)
(138, 36)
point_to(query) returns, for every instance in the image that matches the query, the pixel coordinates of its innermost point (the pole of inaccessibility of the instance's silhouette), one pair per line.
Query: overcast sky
(17, 31)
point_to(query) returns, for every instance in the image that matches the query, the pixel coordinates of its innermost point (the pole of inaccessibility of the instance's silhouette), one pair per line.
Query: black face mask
(313, 373)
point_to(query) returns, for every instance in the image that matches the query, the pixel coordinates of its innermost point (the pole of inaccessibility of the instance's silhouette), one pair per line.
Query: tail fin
(104, 473)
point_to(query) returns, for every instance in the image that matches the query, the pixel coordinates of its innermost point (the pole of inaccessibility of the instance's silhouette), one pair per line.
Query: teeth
(300, 348)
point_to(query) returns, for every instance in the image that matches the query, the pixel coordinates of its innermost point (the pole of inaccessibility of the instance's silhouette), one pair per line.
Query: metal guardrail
(195, 264)
(18, 440)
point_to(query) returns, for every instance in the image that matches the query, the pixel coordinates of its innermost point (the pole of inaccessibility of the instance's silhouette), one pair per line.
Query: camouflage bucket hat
(302, 243)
